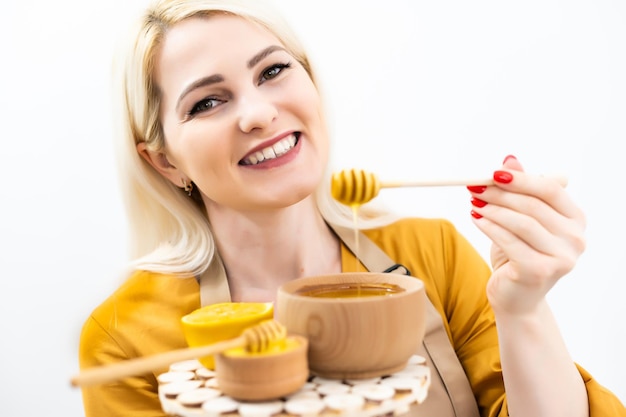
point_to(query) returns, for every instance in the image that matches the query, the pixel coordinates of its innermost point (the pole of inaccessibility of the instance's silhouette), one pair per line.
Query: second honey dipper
(256, 338)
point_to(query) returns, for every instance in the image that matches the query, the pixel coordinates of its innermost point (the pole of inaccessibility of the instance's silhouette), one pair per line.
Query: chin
(293, 198)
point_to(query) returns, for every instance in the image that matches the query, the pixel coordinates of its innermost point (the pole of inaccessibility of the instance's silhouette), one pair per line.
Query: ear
(159, 161)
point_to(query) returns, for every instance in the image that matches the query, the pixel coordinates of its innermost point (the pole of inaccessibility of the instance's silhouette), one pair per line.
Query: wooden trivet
(190, 390)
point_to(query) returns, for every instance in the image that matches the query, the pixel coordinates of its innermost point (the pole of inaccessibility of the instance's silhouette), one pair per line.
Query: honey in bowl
(349, 290)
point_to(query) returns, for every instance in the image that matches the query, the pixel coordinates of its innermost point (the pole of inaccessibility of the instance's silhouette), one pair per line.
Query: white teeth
(279, 148)
(269, 153)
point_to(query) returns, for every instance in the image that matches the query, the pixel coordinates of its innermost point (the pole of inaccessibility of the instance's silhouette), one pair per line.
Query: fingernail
(503, 177)
(476, 215)
(476, 202)
(478, 189)
(509, 157)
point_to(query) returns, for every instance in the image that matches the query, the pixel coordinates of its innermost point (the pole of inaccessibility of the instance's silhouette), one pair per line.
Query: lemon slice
(222, 321)
(227, 313)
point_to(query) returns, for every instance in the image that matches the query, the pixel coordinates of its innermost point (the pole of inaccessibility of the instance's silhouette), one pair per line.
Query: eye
(203, 105)
(273, 71)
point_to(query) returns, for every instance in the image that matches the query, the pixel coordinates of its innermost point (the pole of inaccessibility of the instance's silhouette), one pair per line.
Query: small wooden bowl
(355, 337)
(265, 376)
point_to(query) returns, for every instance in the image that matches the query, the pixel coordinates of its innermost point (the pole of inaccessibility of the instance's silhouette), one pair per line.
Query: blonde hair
(169, 232)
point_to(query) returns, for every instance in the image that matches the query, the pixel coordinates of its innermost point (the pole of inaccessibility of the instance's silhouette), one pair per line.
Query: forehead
(204, 43)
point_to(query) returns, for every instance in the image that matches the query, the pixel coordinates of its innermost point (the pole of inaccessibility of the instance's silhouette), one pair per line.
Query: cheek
(301, 90)
(319, 116)
(312, 110)
(311, 99)
(189, 147)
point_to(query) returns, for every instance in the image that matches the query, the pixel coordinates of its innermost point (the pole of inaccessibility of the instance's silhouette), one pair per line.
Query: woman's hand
(537, 234)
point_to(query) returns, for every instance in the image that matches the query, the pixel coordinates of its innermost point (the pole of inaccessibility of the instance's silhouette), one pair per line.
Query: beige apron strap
(455, 392)
(450, 394)
(214, 283)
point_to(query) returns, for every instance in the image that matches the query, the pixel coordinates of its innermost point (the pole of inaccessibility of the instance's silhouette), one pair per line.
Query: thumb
(511, 162)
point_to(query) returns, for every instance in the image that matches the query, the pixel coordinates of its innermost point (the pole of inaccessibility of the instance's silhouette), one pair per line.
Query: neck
(262, 250)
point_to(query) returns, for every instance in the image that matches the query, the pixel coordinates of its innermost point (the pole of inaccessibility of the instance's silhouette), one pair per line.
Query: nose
(256, 111)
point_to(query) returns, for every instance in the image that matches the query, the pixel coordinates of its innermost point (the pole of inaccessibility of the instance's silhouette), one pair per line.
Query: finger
(535, 260)
(534, 208)
(511, 162)
(516, 254)
(541, 229)
(542, 188)
(513, 226)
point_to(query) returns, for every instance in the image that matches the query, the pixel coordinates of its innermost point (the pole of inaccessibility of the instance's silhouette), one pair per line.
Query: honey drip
(357, 251)
(355, 226)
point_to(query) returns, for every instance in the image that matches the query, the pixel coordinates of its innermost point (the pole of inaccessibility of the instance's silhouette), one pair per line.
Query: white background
(416, 89)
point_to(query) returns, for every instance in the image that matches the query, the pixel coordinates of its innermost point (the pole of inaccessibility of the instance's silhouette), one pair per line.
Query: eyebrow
(263, 54)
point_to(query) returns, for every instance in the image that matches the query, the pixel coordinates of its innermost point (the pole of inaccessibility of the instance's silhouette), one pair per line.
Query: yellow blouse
(142, 318)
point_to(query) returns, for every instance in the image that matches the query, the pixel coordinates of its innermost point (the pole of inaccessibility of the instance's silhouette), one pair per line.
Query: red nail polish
(476, 202)
(503, 177)
(476, 215)
(478, 189)
(509, 157)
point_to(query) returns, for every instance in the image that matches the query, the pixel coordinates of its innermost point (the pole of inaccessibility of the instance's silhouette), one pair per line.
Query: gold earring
(187, 187)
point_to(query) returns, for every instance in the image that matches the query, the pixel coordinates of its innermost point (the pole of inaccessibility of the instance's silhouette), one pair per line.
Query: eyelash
(280, 67)
(200, 107)
(268, 74)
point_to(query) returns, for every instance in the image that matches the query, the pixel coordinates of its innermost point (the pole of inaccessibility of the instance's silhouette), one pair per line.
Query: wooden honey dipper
(353, 187)
(256, 339)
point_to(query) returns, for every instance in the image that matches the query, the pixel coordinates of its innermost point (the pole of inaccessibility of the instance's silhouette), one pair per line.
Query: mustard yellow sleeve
(140, 318)
(602, 402)
(134, 396)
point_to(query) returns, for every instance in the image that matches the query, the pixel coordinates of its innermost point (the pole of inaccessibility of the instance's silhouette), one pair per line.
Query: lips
(274, 151)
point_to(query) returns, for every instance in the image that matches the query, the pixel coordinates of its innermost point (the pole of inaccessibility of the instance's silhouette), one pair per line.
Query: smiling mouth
(272, 152)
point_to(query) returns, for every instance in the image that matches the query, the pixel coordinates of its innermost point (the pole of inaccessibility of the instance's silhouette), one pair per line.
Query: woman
(223, 154)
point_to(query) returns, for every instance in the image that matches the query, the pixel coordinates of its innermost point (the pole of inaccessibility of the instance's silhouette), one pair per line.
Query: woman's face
(242, 118)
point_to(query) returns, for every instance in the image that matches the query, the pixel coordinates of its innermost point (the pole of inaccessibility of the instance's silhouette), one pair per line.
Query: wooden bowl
(354, 332)
(263, 376)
